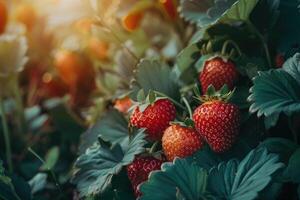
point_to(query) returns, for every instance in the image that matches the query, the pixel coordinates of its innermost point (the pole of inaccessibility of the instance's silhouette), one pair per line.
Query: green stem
(294, 133)
(19, 107)
(231, 42)
(262, 39)
(50, 170)
(6, 136)
(188, 107)
(173, 100)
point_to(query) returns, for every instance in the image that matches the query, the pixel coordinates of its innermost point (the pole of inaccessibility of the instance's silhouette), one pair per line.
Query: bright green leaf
(51, 158)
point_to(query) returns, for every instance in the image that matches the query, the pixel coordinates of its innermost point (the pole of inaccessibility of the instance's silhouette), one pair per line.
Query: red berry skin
(155, 118)
(218, 72)
(179, 141)
(139, 170)
(218, 123)
(279, 60)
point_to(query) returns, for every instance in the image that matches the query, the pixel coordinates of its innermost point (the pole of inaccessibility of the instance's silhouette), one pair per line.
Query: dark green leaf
(243, 180)
(112, 127)
(64, 120)
(274, 92)
(292, 171)
(156, 76)
(38, 182)
(95, 168)
(280, 146)
(292, 66)
(180, 175)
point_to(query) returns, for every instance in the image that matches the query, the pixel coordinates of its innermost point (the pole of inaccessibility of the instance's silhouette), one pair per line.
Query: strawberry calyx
(144, 101)
(224, 94)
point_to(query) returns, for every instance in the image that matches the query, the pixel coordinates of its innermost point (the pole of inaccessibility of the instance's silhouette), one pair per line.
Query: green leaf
(240, 96)
(280, 146)
(95, 168)
(271, 120)
(204, 12)
(51, 158)
(64, 121)
(292, 66)
(38, 182)
(13, 188)
(111, 127)
(156, 76)
(185, 61)
(292, 172)
(274, 92)
(188, 179)
(239, 11)
(243, 180)
(289, 12)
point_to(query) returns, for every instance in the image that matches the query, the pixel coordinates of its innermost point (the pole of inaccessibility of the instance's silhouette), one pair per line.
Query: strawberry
(139, 170)
(155, 118)
(170, 7)
(218, 123)
(218, 71)
(179, 141)
(279, 60)
(3, 16)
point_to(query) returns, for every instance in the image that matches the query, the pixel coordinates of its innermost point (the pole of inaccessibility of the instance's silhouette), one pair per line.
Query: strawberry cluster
(215, 121)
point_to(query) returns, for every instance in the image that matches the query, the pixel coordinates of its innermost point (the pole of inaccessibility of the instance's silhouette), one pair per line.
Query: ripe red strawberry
(139, 170)
(218, 72)
(180, 141)
(218, 123)
(155, 118)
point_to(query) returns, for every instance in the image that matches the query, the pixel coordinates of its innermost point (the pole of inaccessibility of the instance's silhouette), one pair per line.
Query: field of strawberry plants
(149, 99)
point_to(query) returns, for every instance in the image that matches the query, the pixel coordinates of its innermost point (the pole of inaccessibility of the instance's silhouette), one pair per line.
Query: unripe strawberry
(218, 72)
(179, 141)
(3, 16)
(26, 14)
(123, 104)
(155, 118)
(139, 170)
(170, 7)
(132, 20)
(218, 123)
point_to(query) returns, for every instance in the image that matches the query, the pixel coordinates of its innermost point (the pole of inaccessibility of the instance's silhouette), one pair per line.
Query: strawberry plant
(149, 99)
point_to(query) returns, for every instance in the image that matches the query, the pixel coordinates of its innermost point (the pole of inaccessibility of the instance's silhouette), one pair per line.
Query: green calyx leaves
(224, 94)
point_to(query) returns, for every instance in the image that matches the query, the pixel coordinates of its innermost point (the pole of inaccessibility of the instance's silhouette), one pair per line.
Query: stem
(261, 37)
(294, 133)
(19, 107)
(225, 45)
(6, 136)
(50, 170)
(174, 101)
(100, 21)
(187, 106)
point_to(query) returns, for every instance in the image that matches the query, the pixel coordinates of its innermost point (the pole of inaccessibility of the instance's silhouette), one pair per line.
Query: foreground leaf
(243, 180)
(95, 168)
(179, 178)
